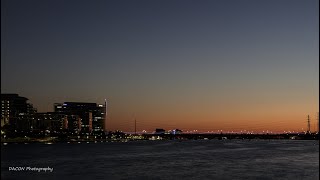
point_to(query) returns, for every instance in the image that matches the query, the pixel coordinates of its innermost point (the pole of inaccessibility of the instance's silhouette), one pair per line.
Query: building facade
(16, 111)
(51, 121)
(84, 117)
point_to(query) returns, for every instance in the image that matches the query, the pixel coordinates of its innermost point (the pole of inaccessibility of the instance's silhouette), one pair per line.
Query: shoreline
(84, 141)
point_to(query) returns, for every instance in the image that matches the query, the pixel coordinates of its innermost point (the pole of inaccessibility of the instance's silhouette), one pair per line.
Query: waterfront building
(51, 121)
(16, 111)
(87, 117)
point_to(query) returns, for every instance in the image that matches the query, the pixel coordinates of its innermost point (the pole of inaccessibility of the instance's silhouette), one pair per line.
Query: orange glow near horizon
(258, 112)
(236, 122)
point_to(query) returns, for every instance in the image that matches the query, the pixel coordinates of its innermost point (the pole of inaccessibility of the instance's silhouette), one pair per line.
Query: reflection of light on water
(48, 143)
(26, 143)
(5, 143)
(79, 142)
(87, 142)
(68, 142)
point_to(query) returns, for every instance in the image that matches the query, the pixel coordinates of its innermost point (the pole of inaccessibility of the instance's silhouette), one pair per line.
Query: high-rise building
(16, 111)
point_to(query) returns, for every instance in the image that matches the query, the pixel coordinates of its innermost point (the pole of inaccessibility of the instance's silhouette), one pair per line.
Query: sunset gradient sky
(209, 65)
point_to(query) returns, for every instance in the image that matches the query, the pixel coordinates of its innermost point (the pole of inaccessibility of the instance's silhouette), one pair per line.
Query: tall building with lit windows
(16, 111)
(90, 116)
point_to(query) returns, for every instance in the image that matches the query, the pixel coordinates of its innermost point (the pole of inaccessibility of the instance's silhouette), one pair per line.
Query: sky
(205, 65)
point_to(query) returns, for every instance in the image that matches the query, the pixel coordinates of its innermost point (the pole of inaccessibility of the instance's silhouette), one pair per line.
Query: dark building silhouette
(16, 111)
(75, 117)
(160, 131)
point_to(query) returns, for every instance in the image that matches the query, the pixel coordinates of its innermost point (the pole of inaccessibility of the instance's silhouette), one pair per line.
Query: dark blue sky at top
(53, 51)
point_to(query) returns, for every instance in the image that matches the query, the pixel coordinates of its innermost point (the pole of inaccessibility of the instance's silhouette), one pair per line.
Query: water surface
(192, 159)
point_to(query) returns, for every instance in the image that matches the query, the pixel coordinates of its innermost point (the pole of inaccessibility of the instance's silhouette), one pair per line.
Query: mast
(105, 116)
(308, 124)
(318, 121)
(135, 126)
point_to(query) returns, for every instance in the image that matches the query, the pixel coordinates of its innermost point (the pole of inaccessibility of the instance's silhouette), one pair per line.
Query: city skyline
(12, 103)
(210, 65)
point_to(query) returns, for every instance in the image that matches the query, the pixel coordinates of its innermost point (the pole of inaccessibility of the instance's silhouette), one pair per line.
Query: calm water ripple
(201, 159)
